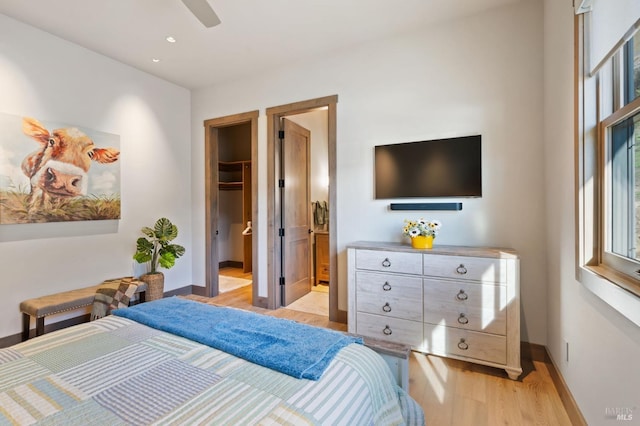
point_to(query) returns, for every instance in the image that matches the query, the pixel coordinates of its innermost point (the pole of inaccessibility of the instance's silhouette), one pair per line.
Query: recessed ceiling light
(156, 60)
(170, 39)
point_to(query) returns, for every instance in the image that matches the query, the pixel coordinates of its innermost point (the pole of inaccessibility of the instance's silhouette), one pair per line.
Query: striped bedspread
(115, 371)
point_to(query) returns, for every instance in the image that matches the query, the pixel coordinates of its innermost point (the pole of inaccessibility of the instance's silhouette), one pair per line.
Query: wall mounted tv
(435, 168)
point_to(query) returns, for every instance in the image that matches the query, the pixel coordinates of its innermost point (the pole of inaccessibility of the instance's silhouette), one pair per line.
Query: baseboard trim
(341, 317)
(539, 353)
(182, 291)
(534, 352)
(11, 340)
(574, 413)
(48, 328)
(199, 291)
(261, 302)
(230, 264)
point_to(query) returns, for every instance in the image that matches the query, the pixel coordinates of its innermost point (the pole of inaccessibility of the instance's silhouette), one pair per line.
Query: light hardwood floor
(453, 392)
(235, 272)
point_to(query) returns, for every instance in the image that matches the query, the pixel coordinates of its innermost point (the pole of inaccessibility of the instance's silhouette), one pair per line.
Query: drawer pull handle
(386, 307)
(386, 286)
(462, 319)
(386, 263)
(461, 269)
(387, 330)
(463, 345)
(462, 295)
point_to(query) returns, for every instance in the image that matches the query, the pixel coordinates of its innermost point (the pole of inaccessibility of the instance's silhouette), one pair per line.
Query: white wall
(481, 75)
(604, 347)
(53, 80)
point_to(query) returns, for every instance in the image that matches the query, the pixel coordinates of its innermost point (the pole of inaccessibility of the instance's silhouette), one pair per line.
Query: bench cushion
(72, 299)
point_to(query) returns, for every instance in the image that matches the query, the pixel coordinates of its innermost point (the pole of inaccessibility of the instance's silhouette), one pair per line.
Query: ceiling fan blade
(203, 11)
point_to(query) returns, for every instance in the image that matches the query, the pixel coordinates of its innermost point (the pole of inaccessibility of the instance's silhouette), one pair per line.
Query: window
(607, 106)
(632, 69)
(611, 165)
(621, 190)
(608, 150)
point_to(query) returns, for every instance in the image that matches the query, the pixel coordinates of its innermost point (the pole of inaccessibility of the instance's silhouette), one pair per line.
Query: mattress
(115, 371)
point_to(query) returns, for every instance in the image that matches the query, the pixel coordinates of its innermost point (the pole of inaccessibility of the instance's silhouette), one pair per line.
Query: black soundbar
(425, 206)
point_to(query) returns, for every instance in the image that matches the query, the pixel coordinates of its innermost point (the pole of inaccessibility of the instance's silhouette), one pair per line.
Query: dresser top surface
(502, 253)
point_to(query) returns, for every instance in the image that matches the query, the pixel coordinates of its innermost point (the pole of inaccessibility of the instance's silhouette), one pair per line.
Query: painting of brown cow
(59, 167)
(57, 173)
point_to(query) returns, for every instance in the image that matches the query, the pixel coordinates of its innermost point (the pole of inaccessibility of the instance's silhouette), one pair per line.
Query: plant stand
(155, 284)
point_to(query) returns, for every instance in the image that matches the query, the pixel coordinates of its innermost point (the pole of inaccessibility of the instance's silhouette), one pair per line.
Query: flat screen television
(449, 167)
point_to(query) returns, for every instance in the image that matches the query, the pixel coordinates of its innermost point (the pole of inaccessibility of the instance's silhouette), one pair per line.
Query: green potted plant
(156, 250)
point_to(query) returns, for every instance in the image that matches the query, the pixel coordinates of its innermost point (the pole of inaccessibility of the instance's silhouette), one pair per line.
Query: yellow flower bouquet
(421, 231)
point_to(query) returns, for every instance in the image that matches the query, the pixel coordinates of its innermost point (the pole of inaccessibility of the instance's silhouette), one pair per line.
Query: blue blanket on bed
(299, 350)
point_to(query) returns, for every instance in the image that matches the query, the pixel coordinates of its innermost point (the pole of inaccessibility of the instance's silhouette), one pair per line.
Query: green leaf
(167, 260)
(148, 232)
(142, 257)
(144, 245)
(165, 230)
(144, 250)
(177, 250)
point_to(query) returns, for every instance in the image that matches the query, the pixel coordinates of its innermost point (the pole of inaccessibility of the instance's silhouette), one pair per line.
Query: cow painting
(59, 167)
(58, 176)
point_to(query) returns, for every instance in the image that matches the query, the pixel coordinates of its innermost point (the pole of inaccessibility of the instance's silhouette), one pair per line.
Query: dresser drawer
(389, 329)
(390, 295)
(466, 268)
(389, 261)
(442, 340)
(472, 306)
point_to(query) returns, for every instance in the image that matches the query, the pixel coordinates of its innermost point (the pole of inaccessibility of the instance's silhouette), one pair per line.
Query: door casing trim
(274, 114)
(211, 127)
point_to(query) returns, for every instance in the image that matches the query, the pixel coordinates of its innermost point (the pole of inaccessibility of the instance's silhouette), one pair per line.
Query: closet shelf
(231, 166)
(231, 174)
(229, 186)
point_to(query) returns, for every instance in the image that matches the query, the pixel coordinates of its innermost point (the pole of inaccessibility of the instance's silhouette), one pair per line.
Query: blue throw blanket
(299, 350)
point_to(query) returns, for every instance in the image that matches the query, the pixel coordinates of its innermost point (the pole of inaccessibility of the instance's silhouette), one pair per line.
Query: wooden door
(296, 212)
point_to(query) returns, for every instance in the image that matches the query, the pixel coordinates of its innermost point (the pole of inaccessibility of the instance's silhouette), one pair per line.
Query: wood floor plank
(435, 390)
(472, 386)
(502, 403)
(468, 411)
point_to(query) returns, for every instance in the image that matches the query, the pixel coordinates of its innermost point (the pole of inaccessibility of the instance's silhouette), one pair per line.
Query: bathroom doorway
(276, 256)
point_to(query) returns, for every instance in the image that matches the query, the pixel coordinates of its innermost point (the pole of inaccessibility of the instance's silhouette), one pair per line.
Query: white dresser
(458, 302)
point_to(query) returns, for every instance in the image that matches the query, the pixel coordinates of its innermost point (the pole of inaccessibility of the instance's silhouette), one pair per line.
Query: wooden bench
(41, 307)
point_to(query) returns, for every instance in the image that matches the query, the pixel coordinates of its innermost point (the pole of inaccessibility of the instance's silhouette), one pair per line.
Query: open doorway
(276, 255)
(231, 203)
(315, 205)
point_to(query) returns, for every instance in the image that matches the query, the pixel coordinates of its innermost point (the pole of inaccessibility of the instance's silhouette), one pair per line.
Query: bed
(127, 369)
